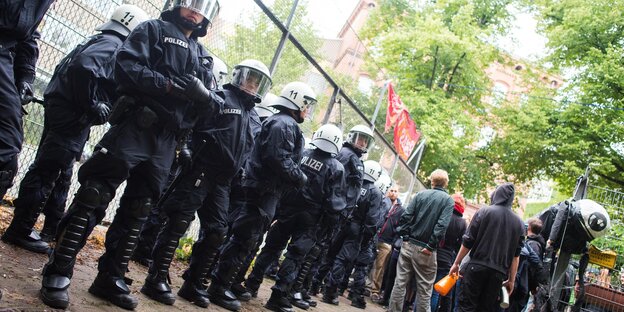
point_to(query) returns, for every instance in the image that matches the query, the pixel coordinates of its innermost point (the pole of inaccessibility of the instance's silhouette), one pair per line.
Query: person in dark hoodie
(447, 251)
(494, 239)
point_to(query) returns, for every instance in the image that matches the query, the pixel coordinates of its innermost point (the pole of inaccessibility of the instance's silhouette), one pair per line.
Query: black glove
(302, 181)
(100, 113)
(25, 92)
(189, 87)
(185, 157)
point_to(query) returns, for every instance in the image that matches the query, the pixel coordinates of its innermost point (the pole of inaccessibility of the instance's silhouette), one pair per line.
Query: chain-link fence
(244, 29)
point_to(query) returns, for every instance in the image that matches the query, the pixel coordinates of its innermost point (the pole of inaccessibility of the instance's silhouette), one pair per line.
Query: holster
(122, 108)
(146, 118)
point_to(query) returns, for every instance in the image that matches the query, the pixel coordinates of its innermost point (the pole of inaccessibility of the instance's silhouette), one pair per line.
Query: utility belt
(127, 106)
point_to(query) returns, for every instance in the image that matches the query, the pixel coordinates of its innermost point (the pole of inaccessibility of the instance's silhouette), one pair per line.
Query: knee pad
(179, 225)
(214, 239)
(93, 194)
(139, 207)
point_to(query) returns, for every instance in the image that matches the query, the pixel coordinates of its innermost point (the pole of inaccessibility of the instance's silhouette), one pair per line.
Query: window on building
(499, 93)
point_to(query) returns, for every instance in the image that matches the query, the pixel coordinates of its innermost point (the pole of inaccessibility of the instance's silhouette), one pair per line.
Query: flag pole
(381, 96)
(417, 151)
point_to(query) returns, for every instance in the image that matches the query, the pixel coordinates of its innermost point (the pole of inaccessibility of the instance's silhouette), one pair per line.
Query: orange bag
(445, 285)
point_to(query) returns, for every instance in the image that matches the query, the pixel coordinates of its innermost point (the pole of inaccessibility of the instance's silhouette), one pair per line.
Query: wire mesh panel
(604, 279)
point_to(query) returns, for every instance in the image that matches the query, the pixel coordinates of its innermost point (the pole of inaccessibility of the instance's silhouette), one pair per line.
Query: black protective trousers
(11, 132)
(46, 183)
(300, 228)
(127, 152)
(250, 225)
(196, 192)
(346, 256)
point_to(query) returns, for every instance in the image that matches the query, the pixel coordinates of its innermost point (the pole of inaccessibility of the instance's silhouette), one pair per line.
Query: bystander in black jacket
(496, 234)
(388, 232)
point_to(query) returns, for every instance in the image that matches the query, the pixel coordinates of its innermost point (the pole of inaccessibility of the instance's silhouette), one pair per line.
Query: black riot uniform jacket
(325, 187)
(229, 135)
(354, 171)
(153, 53)
(368, 210)
(274, 162)
(18, 24)
(81, 80)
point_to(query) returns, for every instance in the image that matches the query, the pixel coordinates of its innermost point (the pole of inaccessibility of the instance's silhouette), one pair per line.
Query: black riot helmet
(207, 8)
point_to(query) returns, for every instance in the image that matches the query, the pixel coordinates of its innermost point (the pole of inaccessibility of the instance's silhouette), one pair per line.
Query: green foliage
(585, 37)
(185, 248)
(431, 50)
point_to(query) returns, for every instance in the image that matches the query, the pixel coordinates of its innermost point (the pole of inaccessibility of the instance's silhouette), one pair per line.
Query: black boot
(358, 302)
(194, 291)
(315, 288)
(297, 300)
(279, 302)
(48, 232)
(330, 295)
(306, 297)
(252, 287)
(156, 287)
(223, 297)
(113, 289)
(31, 242)
(58, 271)
(54, 291)
(242, 293)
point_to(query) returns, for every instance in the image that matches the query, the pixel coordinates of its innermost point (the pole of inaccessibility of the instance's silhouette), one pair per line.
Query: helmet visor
(360, 141)
(251, 81)
(309, 108)
(207, 8)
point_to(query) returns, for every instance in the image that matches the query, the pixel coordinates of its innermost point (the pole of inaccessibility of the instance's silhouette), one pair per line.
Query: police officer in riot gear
(359, 141)
(356, 235)
(237, 202)
(78, 96)
(302, 212)
(18, 55)
(272, 169)
(161, 70)
(219, 144)
(366, 256)
(156, 220)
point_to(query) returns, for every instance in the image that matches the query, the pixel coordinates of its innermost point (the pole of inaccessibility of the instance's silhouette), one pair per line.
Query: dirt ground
(20, 280)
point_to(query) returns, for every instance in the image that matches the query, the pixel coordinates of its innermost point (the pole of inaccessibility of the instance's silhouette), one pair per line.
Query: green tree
(587, 126)
(439, 56)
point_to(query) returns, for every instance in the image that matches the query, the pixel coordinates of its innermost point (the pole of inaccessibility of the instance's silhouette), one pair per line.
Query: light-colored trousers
(412, 262)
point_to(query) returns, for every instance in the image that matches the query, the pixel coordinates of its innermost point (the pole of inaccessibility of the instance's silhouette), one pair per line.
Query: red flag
(405, 135)
(395, 108)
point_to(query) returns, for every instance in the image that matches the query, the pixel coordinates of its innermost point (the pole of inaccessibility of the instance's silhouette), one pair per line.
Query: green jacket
(426, 218)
